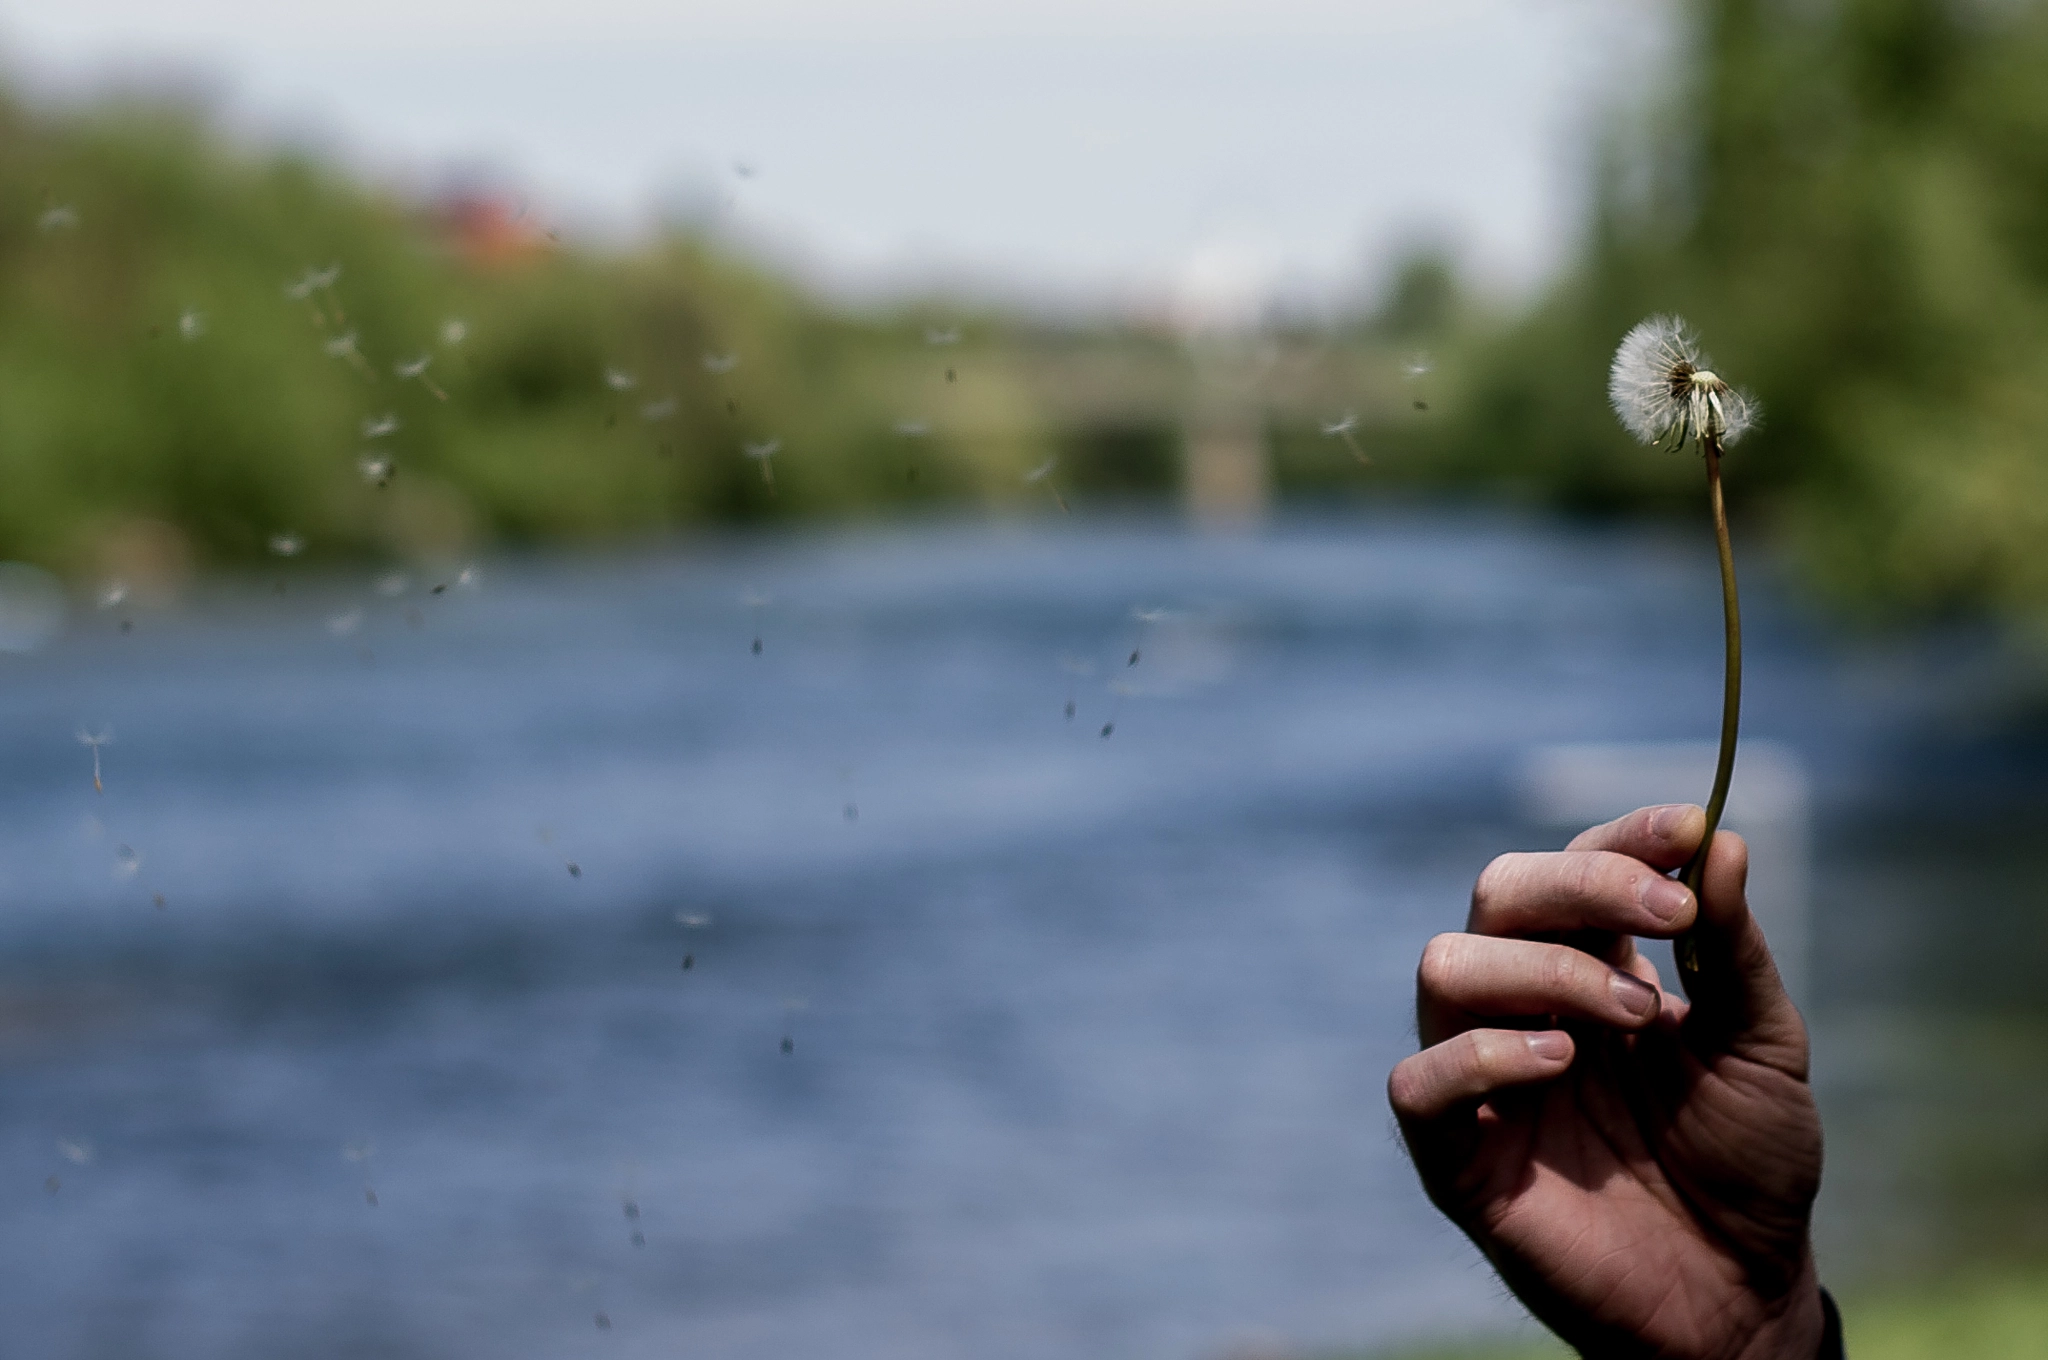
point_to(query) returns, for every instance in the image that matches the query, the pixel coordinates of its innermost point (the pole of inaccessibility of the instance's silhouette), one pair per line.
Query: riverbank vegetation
(1847, 199)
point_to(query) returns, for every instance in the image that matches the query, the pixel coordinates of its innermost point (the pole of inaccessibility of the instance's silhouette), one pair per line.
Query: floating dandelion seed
(469, 578)
(77, 1151)
(127, 863)
(417, 369)
(721, 363)
(287, 545)
(1662, 387)
(454, 331)
(376, 470)
(1345, 428)
(1043, 473)
(59, 218)
(343, 346)
(191, 324)
(913, 429)
(393, 585)
(763, 453)
(376, 427)
(112, 594)
(658, 410)
(619, 381)
(359, 1151)
(692, 921)
(755, 603)
(1418, 364)
(346, 622)
(933, 335)
(103, 737)
(744, 169)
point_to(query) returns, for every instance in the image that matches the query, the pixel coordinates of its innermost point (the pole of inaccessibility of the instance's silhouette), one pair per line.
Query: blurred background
(802, 678)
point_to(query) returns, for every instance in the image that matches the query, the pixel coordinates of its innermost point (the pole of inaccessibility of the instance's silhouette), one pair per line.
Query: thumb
(1737, 997)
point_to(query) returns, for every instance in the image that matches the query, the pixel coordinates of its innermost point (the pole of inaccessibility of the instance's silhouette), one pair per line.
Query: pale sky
(1063, 150)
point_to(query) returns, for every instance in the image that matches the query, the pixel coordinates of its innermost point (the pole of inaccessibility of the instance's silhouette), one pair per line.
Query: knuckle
(1561, 971)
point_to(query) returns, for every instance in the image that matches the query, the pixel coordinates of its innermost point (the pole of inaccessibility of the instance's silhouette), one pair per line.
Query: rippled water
(542, 970)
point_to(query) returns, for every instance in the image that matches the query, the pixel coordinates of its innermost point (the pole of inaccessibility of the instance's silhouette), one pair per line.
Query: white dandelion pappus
(658, 410)
(1041, 472)
(393, 585)
(1417, 364)
(764, 450)
(77, 1151)
(1662, 387)
(416, 369)
(59, 218)
(935, 336)
(191, 323)
(721, 363)
(377, 470)
(346, 622)
(454, 331)
(342, 346)
(1344, 424)
(913, 429)
(112, 594)
(287, 544)
(376, 427)
(618, 380)
(103, 737)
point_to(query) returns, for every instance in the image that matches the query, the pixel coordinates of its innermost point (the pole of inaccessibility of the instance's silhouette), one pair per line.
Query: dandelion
(112, 594)
(618, 380)
(287, 544)
(1663, 388)
(58, 218)
(454, 331)
(376, 427)
(417, 369)
(317, 281)
(1417, 365)
(191, 324)
(95, 740)
(692, 921)
(1345, 428)
(933, 335)
(721, 363)
(469, 578)
(344, 346)
(376, 470)
(763, 452)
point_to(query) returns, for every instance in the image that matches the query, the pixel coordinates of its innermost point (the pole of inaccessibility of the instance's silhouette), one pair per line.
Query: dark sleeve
(1831, 1333)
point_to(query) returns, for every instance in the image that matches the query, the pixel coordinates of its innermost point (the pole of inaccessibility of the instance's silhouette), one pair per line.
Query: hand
(1640, 1168)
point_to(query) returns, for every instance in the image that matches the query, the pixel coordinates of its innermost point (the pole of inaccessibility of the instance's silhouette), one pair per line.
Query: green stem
(1731, 700)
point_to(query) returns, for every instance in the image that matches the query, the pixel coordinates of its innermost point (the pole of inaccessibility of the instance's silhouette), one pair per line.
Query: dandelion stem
(1731, 699)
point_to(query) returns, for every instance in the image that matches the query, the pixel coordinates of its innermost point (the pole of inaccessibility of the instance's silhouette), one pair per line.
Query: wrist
(1796, 1328)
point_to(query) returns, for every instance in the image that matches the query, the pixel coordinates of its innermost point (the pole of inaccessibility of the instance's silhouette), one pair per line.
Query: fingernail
(1664, 821)
(1551, 1045)
(1636, 996)
(1664, 898)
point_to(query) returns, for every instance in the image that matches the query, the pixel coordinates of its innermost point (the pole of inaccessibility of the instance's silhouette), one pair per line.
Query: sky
(1059, 151)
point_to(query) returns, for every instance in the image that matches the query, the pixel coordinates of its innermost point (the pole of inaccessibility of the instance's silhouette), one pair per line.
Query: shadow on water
(557, 973)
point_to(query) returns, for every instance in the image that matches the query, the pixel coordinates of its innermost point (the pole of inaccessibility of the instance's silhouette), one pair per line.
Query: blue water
(999, 1037)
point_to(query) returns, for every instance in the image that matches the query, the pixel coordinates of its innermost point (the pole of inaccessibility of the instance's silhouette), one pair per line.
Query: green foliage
(121, 426)
(1850, 200)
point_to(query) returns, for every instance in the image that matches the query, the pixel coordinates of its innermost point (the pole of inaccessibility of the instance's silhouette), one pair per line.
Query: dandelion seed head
(1042, 471)
(341, 346)
(127, 863)
(375, 469)
(469, 578)
(692, 920)
(287, 544)
(324, 278)
(393, 584)
(376, 427)
(763, 450)
(1343, 425)
(112, 594)
(454, 331)
(413, 368)
(191, 323)
(658, 410)
(618, 380)
(77, 1151)
(359, 1151)
(1662, 387)
(1418, 364)
(754, 599)
(721, 363)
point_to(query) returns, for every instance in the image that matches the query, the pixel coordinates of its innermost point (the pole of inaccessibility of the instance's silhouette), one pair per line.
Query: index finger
(1662, 837)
